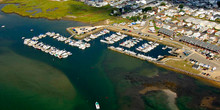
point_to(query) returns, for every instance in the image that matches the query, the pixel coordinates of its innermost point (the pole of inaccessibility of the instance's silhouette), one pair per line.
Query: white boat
(97, 106)
(118, 33)
(3, 26)
(32, 30)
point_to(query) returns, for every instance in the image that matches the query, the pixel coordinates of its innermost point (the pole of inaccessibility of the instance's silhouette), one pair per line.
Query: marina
(132, 46)
(136, 47)
(31, 79)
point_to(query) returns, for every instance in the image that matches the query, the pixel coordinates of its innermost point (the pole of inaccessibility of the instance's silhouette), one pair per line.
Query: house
(157, 17)
(159, 24)
(195, 27)
(196, 35)
(175, 22)
(216, 16)
(210, 31)
(189, 24)
(203, 29)
(202, 16)
(217, 33)
(217, 27)
(152, 30)
(188, 33)
(151, 23)
(166, 26)
(168, 19)
(204, 37)
(181, 13)
(214, 39)
(174, 28)
(143, 23)
(180, 31)
(166, 32)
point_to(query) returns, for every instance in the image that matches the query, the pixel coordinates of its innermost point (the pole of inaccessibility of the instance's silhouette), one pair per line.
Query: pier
(139, 56)
(144, 36)
(82, 36)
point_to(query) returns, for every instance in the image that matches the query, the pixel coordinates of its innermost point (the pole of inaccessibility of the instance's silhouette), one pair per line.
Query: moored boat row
(113, 38)
(96, 35)
(131, 42)
(147, 47)
(132, 53)
(80, 44)
(47, 48)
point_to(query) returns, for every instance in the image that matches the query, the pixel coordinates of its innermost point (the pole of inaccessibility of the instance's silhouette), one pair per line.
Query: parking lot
(202, 59)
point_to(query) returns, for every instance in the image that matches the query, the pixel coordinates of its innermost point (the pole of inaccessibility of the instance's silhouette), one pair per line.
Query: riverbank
(57, 10)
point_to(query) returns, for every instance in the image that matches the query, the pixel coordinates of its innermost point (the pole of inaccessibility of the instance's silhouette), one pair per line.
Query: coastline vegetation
(71, 10)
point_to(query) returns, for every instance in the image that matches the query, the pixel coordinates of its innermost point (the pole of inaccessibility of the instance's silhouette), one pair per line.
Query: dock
(149, 38)
(116, 29)
(80, 37)
(132, 55)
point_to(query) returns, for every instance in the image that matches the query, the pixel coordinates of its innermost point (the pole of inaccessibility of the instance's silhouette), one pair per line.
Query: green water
(33, 80)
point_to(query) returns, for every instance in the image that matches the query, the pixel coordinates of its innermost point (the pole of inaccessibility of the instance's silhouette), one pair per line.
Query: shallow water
(31, 79)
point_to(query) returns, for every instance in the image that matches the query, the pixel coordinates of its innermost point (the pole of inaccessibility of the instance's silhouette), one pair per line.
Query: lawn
(58, 10)
(181, 64)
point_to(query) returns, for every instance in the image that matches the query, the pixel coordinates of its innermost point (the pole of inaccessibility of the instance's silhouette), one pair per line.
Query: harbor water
(32, 80)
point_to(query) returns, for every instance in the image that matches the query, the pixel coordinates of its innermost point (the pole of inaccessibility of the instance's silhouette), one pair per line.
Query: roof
(201, 44)
(166, 31)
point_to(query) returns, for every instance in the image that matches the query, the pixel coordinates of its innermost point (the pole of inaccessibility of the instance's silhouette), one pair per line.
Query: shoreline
(203, 79)
(66, 16)
(51, 19)
(196, 76)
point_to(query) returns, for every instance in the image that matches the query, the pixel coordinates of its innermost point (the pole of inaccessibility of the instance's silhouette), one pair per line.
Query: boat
(3, 26)
(97, 106)
(32, 30)
(118, 33)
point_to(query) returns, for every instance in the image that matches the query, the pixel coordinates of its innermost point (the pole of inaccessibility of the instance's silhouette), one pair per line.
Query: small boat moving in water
(97, 105)
(3, 26)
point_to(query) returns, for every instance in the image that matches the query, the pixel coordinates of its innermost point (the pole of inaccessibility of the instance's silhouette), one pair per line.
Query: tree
(144, 17)
(181, 6)
(134, 18)
(218, 3)
(146, 9)
(162, 4)
(138, 18)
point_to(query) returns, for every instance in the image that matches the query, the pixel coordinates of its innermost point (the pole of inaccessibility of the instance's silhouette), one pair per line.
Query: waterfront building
(167, 32)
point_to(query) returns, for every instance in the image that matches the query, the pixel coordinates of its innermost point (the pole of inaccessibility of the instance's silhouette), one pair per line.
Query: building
(167, 32)
(201, 44)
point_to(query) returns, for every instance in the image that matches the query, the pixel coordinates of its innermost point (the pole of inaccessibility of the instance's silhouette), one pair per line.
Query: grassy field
(71, 9)
(181, 64)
